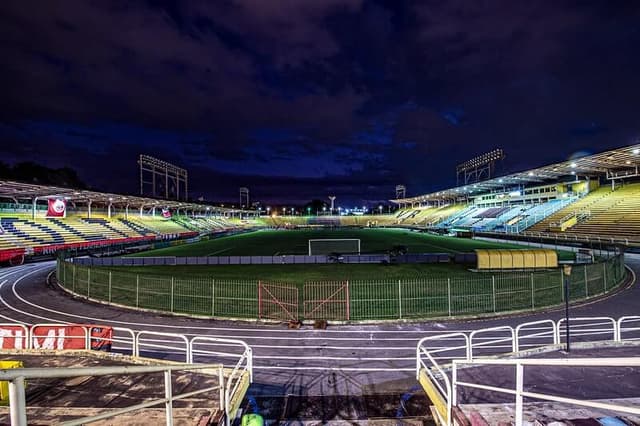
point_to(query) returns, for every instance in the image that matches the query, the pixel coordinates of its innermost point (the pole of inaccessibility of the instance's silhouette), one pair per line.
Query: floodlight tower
(244, 197)
(333, 199)
(401, 191)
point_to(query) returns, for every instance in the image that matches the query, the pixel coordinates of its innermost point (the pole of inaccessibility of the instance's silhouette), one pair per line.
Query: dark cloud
(297, 99)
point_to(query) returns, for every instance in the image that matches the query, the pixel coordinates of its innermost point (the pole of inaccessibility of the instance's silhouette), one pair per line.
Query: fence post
(399, 300)
(533, 294)
(213, 297)
(586, 282)
(73, 278)
(109, 286)
(449, 294)
(562, 284)
(259, 299)
(172, 294)
(604, 275)
(88, 282)
(17, 398)
(137, 290)
(519, 388)
(493, 287)
(348, 300)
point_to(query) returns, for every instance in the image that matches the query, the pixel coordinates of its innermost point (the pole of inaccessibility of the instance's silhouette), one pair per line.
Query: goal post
(334, 245)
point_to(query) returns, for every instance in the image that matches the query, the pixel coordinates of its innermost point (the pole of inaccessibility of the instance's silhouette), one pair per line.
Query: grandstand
(98, 219)
(595, 197)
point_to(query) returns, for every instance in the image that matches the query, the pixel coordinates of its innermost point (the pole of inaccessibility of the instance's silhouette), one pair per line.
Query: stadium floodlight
(636, 151)
(573, 165)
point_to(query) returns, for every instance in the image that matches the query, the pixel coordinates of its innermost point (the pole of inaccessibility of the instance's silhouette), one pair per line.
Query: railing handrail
(520, 393)
(612, 326)
(528, 324)
(614, 329)
(233, 382)
(621, 320)
(578, 362)
(54, 373)
(490, 329)
(17, 398)
(161, 334)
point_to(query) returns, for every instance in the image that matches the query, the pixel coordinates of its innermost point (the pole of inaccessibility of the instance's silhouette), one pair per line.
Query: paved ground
(342, 360)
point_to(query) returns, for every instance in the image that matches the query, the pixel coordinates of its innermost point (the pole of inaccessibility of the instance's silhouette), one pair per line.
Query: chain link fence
(485, 293)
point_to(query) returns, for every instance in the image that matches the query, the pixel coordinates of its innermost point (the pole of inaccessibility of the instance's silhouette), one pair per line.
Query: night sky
(299, 99)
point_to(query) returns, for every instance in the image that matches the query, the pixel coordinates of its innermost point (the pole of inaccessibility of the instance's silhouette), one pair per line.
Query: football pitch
(296, 241)
(288, 242)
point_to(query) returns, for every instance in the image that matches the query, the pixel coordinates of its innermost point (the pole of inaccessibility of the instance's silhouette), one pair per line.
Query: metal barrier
(161, 343)
(552, 333)
(520, 393)
(439, 374)
(622, 321)
(234, 381)
(583, 328)
(511, 340)
(585, 325)
(17, 377)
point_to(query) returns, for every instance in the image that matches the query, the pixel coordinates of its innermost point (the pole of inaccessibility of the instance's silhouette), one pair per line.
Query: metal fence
(480, 293)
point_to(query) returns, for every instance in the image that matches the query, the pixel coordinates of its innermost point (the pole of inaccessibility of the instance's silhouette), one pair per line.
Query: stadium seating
(19, 230)
(603, 213)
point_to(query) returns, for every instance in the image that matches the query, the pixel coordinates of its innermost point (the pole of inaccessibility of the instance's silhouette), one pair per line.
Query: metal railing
(520, 393)
(17, 399)
(430, 350)
(150, 344)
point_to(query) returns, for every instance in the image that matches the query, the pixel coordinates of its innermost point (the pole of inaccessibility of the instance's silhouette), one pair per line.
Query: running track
(341, 360)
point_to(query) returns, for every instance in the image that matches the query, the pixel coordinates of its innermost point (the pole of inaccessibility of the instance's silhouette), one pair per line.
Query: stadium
(419, 310)
(319, 212)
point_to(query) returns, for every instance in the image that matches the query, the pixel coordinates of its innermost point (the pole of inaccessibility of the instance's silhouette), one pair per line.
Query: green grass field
(280, 242)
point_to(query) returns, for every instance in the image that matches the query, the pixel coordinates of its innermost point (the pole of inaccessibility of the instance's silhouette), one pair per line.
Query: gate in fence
(326, 300)
(277, 301)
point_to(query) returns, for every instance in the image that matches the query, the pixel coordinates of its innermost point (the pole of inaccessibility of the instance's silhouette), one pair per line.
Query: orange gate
(326, 300)
(277, 301)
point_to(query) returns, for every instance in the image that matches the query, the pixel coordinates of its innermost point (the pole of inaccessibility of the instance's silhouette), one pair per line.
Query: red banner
(57, 207)
(58, 337)
(13, 337)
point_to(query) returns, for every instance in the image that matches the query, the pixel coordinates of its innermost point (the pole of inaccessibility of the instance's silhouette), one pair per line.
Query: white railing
(17, 376)
(430, 350)
(624, 326)
(520, 393)
(234, 380)
(152, 345)
(163, 343)
(435, 372)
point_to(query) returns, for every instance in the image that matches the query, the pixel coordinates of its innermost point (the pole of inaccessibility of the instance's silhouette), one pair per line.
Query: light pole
(380, 208)
(566, 274)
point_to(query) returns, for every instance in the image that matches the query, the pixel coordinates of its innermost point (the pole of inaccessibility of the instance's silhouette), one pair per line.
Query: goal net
(337, 245)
